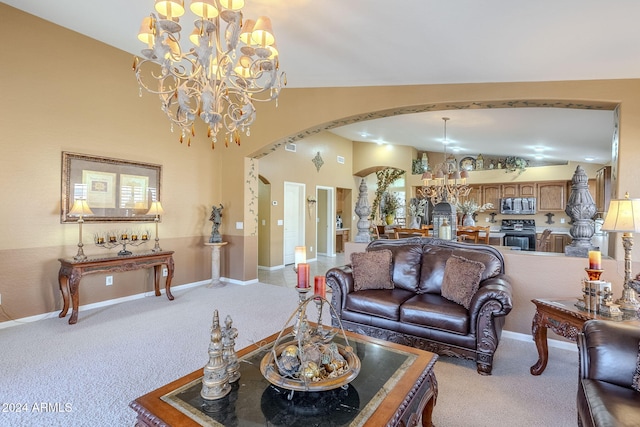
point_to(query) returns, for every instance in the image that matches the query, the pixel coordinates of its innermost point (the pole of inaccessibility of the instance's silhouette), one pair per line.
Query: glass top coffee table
(396, 386)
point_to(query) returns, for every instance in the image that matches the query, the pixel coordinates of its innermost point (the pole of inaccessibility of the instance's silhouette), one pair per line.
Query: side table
(563, 318)
(215, 264)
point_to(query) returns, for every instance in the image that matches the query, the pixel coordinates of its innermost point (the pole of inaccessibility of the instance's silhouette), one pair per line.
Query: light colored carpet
(55, 374)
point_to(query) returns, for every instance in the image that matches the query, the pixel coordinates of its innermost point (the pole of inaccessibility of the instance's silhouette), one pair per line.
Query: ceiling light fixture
(230, 65)
(449, 184)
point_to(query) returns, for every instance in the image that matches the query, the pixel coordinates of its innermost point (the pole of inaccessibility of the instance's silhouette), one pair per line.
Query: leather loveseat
(608, 356)
(415, 313)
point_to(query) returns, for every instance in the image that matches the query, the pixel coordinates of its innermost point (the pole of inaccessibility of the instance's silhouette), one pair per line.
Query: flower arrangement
(390, 204)
(385, 178)
(469, 207)
(416, 207)
(513, 164)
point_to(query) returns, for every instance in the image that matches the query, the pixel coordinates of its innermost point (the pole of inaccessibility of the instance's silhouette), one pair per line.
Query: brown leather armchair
(608, 353)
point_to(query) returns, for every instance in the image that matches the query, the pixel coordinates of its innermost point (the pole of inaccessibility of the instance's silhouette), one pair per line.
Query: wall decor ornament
(317, 160)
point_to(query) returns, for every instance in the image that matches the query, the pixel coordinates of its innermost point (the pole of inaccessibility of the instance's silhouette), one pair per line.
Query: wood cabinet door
(527, 189)
(491, 194)
(510, 190)
(475, 194)
(552, 196)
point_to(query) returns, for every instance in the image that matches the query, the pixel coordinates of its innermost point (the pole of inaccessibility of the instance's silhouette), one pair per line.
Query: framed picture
(115, 190)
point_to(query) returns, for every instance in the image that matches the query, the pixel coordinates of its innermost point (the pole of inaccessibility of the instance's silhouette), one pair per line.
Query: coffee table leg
(539, 332)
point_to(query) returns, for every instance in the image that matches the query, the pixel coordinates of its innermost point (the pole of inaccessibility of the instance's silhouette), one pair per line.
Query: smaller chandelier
(446, 183)
(229, 66)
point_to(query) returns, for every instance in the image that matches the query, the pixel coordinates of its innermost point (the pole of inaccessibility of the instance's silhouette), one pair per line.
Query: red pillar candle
(319, 286)
(595, 260)
(303, 275)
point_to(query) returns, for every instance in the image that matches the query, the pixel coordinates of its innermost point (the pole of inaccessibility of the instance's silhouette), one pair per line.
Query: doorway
(293, 219)
(325, 236)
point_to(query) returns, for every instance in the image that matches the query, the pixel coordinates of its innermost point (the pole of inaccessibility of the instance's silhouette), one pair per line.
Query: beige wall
(281, 166)
(66, 92)
(85, 100)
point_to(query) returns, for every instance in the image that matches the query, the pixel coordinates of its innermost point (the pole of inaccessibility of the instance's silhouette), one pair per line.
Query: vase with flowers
(468, 208)
(388, 207)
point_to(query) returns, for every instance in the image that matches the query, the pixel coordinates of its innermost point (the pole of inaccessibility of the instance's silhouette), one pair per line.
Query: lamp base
(80, 256)
(628, 302)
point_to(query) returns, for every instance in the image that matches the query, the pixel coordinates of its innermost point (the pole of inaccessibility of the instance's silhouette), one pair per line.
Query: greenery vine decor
(515, 164)
(386, 177)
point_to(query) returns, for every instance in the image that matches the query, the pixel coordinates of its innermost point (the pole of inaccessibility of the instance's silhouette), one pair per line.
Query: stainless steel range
(519, 233)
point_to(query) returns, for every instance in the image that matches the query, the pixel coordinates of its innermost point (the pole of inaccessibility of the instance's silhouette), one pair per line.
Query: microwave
(518, 206)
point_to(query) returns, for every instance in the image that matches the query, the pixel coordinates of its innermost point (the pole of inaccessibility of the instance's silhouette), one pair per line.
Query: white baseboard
(275, 267)
(37, 317)
(563, 345)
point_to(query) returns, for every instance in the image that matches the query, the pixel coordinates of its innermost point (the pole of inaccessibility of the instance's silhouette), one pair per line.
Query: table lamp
(624, 216)
(156, 209)
(80, 208)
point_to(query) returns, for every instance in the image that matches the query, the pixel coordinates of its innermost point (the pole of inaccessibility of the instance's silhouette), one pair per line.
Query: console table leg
(539, 332)
(75, 299)
(157, 270)
(169, 277)
(63, 281)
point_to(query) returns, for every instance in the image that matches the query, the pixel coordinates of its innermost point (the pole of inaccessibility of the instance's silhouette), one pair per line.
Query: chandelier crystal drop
(228, 66)
(446, 183)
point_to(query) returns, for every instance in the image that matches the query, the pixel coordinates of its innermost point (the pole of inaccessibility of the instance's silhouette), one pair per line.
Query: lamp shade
(170, 8)
(204, 8)
(247, 29)
(155, 209)
(80, 208)
(262, 33)
(145, 35)
(623, 215)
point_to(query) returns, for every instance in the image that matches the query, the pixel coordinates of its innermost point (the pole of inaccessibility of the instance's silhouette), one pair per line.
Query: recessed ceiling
(335, 43)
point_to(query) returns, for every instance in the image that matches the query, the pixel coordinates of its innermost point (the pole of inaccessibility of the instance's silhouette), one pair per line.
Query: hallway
(287, 277)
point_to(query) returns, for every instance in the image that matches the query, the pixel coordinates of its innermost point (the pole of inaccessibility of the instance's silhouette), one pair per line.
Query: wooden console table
(71, 271)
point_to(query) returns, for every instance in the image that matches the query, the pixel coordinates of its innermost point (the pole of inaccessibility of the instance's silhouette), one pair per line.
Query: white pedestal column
(215, 264)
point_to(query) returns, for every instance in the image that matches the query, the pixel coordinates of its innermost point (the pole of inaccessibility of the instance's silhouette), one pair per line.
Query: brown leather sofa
(608, 353)
(415, 313)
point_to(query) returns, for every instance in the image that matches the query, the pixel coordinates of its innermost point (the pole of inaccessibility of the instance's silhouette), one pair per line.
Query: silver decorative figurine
(229, 335)
(215, 383)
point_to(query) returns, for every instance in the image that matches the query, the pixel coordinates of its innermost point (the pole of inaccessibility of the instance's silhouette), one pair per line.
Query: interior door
(293, 219)
(325, 221)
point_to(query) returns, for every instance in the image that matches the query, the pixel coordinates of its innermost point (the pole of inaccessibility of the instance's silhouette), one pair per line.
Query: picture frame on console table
(115, 190)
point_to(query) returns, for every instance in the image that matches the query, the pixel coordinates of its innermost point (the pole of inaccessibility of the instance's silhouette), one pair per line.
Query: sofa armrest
(497, 289)
(340, 280)
(608, 351)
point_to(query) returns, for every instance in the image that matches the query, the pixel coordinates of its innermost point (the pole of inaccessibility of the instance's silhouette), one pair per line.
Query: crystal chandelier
(448, 184)
(230, 65)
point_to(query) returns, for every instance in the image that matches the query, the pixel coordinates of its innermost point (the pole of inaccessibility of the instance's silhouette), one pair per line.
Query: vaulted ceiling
(333, 43)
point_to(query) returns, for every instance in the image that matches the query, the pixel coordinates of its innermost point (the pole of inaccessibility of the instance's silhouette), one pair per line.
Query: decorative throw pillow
(635, 383)
(371, 270)
(461, 279)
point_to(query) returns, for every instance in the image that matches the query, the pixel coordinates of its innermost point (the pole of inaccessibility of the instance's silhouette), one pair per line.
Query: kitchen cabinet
(491, 194)
(519, 190)
(475, 194)
(557, 242)
(552, 196)
(603, 188)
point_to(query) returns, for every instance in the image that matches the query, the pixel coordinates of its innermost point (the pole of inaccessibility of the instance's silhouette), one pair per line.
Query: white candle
(300, 255)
